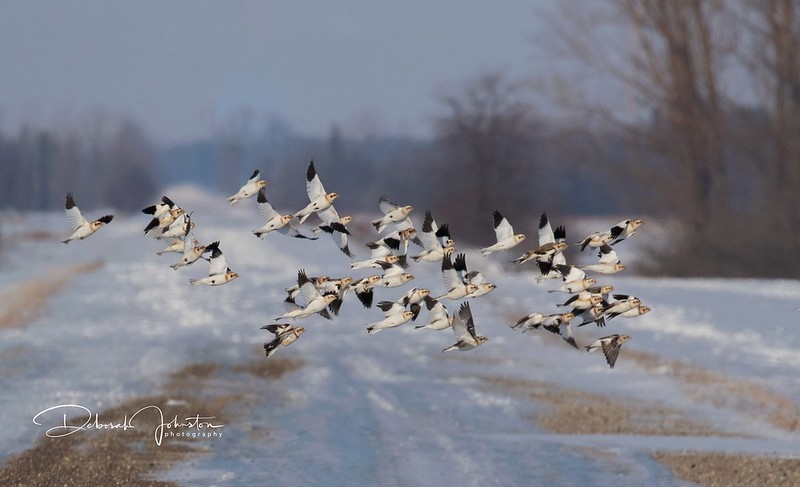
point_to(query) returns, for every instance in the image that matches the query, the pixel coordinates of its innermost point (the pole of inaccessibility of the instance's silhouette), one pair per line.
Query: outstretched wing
(218, 263)
(74, 215)
(314, 186)
(502, 228)
(545, 231)
(266, 209)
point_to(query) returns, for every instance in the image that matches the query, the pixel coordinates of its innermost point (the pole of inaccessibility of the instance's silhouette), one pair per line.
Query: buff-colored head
(261, 183)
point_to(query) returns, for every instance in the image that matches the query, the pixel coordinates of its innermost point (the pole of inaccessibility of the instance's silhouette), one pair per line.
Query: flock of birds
(589, 301)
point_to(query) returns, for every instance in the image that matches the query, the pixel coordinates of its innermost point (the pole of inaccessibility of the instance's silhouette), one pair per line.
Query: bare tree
(486, 141)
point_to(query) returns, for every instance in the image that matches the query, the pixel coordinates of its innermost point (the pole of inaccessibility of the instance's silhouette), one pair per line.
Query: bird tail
(195, 282)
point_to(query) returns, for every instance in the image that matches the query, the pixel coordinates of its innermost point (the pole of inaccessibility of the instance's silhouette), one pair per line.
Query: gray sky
(180, 67)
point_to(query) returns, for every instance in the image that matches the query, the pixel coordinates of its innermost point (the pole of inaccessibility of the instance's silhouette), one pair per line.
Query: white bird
(175, 246)
(504, 233)
(392, 213)
(158, 210)
(631, 313)
(432, 237)
(456, 289)
(191, 252)
(439, 317)
(394, 314)
(610, 346)
(178, 228)
(339, 234)
(472, 277)
(319, 200)
(625, 229)
(464, 330)
(81, 227)
(378, 252)
(218, 271)
(552, 323)
(393, 275)
(609, 262)
(551, 243)
(285, 335)
(622, 304)
(310, 297)
(595, 314)
(274, 219)
(166, 219)
(251, 187)
(363, 288)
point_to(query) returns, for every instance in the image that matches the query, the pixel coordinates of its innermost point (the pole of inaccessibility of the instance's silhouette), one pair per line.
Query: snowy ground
(388, 409)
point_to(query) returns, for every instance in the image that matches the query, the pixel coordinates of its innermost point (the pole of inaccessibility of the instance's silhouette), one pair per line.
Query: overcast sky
(178, 67)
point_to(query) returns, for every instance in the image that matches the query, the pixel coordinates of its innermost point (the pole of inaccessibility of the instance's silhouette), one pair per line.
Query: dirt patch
(722, 470)
(724, 392)
(577, 412)
(132, 457)
(22, 303)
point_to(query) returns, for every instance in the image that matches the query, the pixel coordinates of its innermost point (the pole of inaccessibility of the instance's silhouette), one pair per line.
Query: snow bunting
(439, 317)
(504, 233)
(456, 289)
(625, 229)
(251, 187)
(318, 199)
(610, 346)
(192, 253)
(436, 241)
(609, 262)
(218, 271)
(393, 275)
(81, 227)
(274, 219)
(631, 313)
(582, 300)
(178, 228)
(158, 210)
(392, 212)
(394, 314)
(464, 330)
(622, 304)
(616, 234)
(176, 246)
(378, 252)
(595, 314)
(472, 277)
(339, 234)
(311, 300)
(363, 288)
(285, 335)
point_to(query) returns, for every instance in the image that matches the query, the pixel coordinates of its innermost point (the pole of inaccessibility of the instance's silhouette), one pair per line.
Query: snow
(388, 409)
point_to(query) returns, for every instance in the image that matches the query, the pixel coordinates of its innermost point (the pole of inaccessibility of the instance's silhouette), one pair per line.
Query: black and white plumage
(464, 331)
(394, 314)
(319, 200)
(472, 277)
(392, 213)
(551, 243)
(456, 288)
(274, 220)
(436, 241)
(504, 234)
(81, 227)
(218, 271)
(309, 300)
(439, 317)
(250, 188)
(285, 335)
(158, 210)
(610, 345)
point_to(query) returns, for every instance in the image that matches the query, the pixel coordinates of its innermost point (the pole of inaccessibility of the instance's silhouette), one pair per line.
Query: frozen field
(391, 409)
